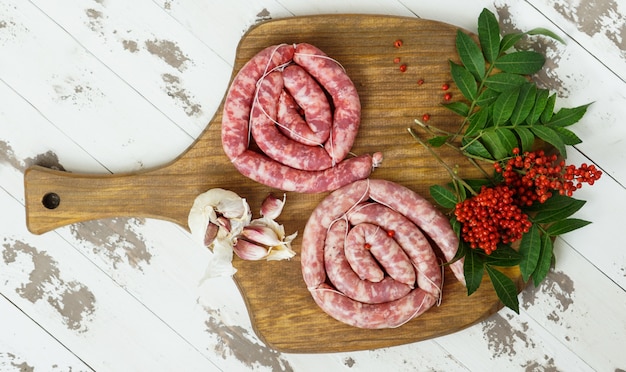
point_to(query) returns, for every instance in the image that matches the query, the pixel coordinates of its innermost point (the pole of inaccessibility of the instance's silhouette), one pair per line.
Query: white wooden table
(114, 85)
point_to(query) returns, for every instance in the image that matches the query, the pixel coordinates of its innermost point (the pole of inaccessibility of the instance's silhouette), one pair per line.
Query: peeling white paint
(112, 85)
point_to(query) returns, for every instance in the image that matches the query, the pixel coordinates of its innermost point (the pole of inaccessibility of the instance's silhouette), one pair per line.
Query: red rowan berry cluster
(535, 175)
(491, 217)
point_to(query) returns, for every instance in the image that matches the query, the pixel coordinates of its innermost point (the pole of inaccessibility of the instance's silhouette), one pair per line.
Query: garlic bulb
(216, 218)
(221, 220)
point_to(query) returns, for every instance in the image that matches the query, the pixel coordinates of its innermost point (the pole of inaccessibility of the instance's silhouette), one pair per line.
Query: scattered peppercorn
(420, 81)
(447, 96)
(397, 43)
(391, 233)
(445, 87)
(367, 246)
(425, 117)
(396, 60)
(403, 68)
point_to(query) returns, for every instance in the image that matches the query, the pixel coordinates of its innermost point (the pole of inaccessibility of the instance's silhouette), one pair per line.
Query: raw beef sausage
(337, 288)
(273, 86)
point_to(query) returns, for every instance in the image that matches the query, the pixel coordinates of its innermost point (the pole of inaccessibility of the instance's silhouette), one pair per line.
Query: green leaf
(464, 80)
(545, 260)
(489, 35)
(568, 137)
(486, 97)
(545, 32)
(550, 136)
(567, 116)
(525, 103)
(503, 256)
(547, 113)
(473, 269)
(556, 208)
(437, 141)
(443, 196)
(509, 40)
(460, 108)
(504, 81)
(503, 106)
(456, 227)
(507, 137)
(522, 62)
(530, 248)
(461, 250)
(470, 55)
(541, 99)
(526, 138)
(565, 226)
(505, 288)
(475, 148)
(477, 121)
(499, 142)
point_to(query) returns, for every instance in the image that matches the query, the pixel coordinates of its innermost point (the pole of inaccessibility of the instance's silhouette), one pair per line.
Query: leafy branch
(504, 109)
(504, 113)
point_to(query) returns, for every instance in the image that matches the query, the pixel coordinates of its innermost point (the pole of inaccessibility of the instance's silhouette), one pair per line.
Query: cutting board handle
(56, 198)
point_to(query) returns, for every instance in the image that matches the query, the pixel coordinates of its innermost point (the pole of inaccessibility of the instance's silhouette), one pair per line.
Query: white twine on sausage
(403, 322)
(320, 56)
(359, 205)
(256, 103)
(344, 216)
(417, 311)
(255, 98)
(330, 139)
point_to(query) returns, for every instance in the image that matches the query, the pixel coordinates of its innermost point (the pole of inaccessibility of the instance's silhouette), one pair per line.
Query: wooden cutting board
(282, 312)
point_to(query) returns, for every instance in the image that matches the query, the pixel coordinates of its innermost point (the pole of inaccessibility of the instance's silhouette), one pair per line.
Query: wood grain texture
(282, 312)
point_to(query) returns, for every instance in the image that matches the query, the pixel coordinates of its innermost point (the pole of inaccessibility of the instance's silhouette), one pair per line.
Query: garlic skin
(216, 218)
(220, 207)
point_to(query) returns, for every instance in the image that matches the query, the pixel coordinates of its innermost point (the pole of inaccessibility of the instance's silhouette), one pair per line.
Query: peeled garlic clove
(223, 222)
(261, 234)
(210, 234)
(249, 251)
(272, 207)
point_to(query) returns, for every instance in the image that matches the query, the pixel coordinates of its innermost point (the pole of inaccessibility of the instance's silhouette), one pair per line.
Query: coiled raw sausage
(379, 303)
(265, 92)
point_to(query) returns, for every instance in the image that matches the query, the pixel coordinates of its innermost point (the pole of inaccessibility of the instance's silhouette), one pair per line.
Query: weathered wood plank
(220, 26)
(90, 314)
(559, 324)
(25, 346)
(150, 52)
(132, 253)
(598, 26)
(82, 97)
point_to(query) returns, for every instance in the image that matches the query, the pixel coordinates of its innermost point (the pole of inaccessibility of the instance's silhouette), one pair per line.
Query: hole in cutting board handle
(51, 200)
